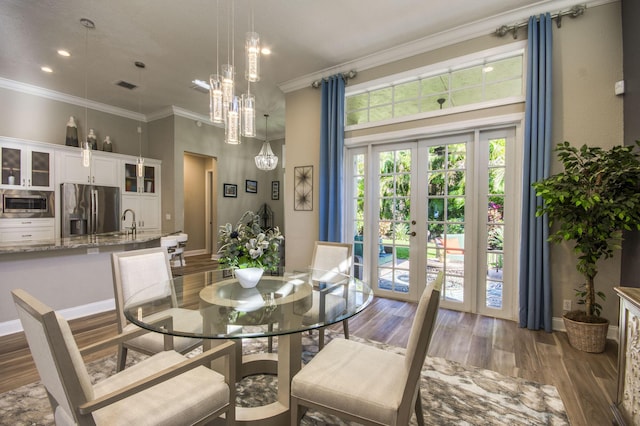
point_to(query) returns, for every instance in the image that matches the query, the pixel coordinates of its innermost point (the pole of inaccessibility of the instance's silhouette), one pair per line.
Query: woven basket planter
(587, 337)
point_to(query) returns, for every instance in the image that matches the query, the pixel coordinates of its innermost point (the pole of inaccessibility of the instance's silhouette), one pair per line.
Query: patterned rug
(452, 394)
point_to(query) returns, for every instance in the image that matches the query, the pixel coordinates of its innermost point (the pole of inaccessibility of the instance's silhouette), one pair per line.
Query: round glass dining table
(283, 306)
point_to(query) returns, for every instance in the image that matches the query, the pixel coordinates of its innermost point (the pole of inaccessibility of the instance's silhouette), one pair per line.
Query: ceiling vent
(126, 85)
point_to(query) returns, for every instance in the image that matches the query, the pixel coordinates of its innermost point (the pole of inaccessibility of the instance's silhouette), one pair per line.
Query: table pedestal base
(285, 364)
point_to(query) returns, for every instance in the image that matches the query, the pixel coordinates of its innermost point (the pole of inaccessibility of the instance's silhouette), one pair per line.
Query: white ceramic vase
(249, 277)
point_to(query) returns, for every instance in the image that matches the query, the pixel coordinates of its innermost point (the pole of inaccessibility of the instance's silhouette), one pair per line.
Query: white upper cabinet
(103, 169)
(26, 166)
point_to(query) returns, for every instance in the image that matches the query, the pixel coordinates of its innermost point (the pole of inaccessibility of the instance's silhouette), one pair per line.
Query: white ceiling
(177, 42)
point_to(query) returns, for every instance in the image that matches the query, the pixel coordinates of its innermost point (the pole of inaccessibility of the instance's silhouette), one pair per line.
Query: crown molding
(30, 89)
(441, 39)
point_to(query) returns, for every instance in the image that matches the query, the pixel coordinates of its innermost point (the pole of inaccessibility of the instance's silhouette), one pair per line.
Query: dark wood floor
(586, 382)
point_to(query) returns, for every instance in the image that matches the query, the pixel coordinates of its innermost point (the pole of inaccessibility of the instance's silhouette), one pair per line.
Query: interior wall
(161, 147)
(302, 116)
(31, 117)
(587, 63)
(235, 165)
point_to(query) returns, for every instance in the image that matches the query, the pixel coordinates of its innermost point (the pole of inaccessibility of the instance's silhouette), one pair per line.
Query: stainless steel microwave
(23, 203)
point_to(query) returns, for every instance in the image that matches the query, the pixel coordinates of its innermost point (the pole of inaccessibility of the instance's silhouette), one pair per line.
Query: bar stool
(182, 239)
(170, 242)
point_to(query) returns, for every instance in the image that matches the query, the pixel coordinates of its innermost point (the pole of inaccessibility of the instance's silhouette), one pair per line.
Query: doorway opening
(200, 203)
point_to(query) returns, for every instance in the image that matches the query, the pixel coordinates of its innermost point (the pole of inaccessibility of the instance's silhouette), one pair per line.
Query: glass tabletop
(213, 304)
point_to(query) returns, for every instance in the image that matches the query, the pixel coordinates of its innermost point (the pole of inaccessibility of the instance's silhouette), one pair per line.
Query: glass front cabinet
(142, 193)
(25, 166)
(145, 184)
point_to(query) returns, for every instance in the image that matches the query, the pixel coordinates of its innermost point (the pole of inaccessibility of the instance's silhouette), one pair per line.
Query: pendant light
(140, 161)
(86, 148)
(230, 102)
(237, 113)
(216, 114)
(251, 73)
(252, 53)
(232, 129)
(248, 119)
(266, 159)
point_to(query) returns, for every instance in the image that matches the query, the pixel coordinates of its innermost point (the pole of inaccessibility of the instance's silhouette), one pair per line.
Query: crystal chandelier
(266, 159)
(237, 113)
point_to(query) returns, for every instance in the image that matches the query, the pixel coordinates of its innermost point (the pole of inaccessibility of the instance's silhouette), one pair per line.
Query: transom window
(476, 82)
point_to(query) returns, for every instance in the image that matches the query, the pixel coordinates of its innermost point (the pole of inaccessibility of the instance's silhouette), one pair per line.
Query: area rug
(452, 394)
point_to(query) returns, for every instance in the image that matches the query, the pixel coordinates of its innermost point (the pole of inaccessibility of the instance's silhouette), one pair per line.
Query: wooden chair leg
(345, 326)
(419, 413)
(122, 358)
(293, 409)
(320, 338)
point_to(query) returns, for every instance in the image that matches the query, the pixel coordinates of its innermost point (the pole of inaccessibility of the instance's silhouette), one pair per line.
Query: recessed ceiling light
(64, 53)
(265, 51)
(201, 83)
(46, 69)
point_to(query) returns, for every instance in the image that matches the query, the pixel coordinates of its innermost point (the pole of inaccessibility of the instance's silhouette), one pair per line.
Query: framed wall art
(275, 190)
(230, 190)
(251, 186)
(303, 188)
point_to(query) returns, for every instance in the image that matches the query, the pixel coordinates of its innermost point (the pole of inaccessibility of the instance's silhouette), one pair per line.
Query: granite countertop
(81, 241)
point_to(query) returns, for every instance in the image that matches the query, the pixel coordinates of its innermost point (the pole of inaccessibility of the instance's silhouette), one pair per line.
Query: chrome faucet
(132, 230)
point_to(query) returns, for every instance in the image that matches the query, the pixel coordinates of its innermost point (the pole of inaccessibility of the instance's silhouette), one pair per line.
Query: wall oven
(23, 203)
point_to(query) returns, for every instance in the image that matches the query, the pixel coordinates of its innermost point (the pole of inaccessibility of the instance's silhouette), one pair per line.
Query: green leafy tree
(594, 199)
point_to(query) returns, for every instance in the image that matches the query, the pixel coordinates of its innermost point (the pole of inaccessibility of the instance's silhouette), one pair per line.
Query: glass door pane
(11, 163)
(149, 179)
(394, 223)
(495, 223)
(40, 173)
(446, 177)
(130, 178)
(357, 195)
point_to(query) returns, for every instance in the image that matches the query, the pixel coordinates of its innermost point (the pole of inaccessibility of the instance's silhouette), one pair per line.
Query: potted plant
(594, 200)
(249, 248)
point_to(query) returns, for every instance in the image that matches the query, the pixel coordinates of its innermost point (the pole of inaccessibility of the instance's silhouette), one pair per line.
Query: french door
(444, 204)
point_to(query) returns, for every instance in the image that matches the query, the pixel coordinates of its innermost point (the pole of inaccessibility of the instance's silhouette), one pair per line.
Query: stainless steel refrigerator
(89, 209)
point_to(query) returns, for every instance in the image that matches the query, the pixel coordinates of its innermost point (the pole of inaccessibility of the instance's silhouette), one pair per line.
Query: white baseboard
(14, 326)
(195, 252)
(558, 325)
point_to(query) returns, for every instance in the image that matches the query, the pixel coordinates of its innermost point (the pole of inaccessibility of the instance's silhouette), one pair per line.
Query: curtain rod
(346, 75)
(574, 12)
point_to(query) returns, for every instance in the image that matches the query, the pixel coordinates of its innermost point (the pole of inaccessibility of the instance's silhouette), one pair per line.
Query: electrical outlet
(566, 305)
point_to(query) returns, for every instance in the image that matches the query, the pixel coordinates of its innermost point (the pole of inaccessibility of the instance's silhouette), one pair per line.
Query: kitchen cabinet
(26, 166)
(626, 408)
(146, 208)
(142, 194)
(103, 169)
(26, 230)
(145, 184)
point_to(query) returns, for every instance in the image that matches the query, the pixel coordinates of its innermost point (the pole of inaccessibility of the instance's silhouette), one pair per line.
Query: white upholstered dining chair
(366, 384)
(330, 263)
(165, 389)
(140, 269)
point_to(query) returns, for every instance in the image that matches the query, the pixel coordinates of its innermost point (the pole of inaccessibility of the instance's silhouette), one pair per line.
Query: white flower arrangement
(248, 245)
